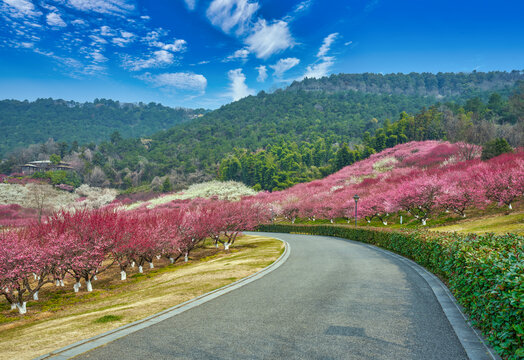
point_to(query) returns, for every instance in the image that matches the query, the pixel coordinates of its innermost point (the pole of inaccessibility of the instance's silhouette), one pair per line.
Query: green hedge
(484, 272)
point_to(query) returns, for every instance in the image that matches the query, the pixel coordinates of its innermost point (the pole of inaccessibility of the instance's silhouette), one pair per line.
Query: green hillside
(24, 123)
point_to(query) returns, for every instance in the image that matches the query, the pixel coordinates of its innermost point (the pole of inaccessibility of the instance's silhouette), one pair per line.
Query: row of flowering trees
(418, 178)
(85, 243)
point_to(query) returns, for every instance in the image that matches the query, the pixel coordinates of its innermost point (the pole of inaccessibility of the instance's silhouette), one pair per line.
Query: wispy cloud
(191, 4)
(326, 45)
(113, 7)
(284, 65)
(238, 87)
(268, 39)
(179, 80)
(240, 54)
(159, 58)
(262, 73)
(320, 69)
(53, 19)
(231, 14)
(20, 8)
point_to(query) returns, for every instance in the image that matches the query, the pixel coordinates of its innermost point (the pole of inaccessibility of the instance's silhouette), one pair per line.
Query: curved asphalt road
(332, 299)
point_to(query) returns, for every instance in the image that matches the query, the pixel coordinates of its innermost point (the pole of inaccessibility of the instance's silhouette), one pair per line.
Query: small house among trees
(44, 165)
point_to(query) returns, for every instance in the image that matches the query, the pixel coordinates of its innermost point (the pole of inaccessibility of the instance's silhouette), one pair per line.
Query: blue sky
(206, 53)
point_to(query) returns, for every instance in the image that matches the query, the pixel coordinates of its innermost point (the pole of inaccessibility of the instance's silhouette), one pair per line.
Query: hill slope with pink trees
(421, 179)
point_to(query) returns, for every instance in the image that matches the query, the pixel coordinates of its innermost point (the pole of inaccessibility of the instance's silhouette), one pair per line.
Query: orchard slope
(421, 179)
(85, 243)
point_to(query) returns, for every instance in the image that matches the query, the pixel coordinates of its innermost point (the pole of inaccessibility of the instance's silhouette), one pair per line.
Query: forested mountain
(24, 123)
(442, 85)
(272, 141)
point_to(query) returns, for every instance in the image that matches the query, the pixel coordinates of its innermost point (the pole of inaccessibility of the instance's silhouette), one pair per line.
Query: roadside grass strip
(62, 317)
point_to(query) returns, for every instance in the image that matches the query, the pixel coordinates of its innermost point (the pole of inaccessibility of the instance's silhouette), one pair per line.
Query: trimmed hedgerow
(484, 272)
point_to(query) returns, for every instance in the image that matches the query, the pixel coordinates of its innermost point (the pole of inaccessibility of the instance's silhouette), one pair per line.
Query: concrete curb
(102, 339)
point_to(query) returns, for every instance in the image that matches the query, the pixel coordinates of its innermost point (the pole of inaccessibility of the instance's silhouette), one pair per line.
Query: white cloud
(21, 8)
(267, 40)
(303, 6)
(54, 19)
(125, 38)
(230, 14)
(118, 7)
(240, 54)
(191, 4)
(238, 85)
(181, 81)
(145, 17)
(284, 65)
(326, 45)
(320, 69)
(107, 31)
(157, 59)
(176, 46)
(27, 45)
(203, 62)
(262, 73)
(78, 22)
(348, 43)
(98, 57)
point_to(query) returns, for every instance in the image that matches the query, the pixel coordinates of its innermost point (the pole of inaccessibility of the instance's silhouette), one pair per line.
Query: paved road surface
(332, 299)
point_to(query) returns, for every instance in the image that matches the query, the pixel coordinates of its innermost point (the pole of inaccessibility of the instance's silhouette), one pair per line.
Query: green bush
(484, 272)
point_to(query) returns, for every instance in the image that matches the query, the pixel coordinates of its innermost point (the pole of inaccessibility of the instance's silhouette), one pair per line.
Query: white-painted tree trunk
(424, 222)
(22, 309)
(62, 282)
(369, 221)
(385, 223)
(123, 275)
(186, 259)
(140, 269)
(13, 306)
(216, 245)
(227, 245)
(463, 215)
(172, 260)
(34, 275)
(331, 220)
(132, 264)
(95, 278)
(510, 207)
(35, 296)
(77, 286)
(400, 219)
(57, 282)
(151, 266)
(293, 220)
(158, 257)
(89, 287)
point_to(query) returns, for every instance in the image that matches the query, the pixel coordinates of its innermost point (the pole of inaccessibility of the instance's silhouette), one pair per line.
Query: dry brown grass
(63, 317)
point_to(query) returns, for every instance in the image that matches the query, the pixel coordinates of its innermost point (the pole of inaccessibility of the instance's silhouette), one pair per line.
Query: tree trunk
(89, 287)
(140, 269)
(510, 207)
(186, 259)
(171, 260)
(62, 282)
(151, 266)
(423, 222)
(22, 309)
(123, 275)
(77, 286)
(35, 296)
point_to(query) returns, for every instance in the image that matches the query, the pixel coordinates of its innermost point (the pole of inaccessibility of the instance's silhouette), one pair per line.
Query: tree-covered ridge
(449, 85)
(24, 123)
(280, 166)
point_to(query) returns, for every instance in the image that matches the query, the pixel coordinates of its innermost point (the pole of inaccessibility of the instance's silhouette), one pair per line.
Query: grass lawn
(499, 224)
(63, 317)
